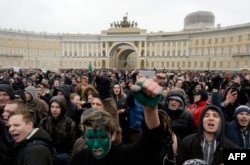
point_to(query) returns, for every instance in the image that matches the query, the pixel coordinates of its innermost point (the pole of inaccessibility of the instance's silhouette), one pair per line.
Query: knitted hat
(241, 108)
(8, 89)
(20, 94)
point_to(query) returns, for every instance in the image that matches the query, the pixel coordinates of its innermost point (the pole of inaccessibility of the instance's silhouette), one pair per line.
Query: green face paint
(98, 142)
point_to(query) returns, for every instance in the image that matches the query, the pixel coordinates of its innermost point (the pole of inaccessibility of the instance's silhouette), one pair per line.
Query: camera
(86, 105)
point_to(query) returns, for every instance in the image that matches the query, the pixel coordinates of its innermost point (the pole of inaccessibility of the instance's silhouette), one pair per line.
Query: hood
(39, 134)
(177, 95)
(221, 130)
(89, 87)
(62, 103)
(65, 90)
(8, 89)
(32, 90)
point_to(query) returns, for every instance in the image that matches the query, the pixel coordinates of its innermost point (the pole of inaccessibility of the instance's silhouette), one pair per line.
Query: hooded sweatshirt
(61, 129)
(212, 152)
(36, 105)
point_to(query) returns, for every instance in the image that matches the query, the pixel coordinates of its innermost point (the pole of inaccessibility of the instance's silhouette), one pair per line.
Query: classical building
(199, 46)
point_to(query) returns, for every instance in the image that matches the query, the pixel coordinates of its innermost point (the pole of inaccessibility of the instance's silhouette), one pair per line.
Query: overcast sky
(92, 16)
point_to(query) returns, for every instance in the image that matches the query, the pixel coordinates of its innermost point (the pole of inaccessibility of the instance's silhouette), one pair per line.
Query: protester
(238, 130)
(6, 94)
(200, 101)
(122, 109)
(170, 145)
(5, 143)
(229, 103)
(21, 127)
(209, 141)
(99, 131)
(181, 119)
(33, 103)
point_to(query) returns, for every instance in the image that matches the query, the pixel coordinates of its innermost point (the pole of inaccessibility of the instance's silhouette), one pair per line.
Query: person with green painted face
(100, 131)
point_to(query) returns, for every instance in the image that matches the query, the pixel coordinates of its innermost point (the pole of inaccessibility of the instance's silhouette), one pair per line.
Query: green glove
(142, 97)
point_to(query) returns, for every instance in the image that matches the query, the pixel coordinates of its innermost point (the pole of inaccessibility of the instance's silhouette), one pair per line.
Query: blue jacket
(237, 135)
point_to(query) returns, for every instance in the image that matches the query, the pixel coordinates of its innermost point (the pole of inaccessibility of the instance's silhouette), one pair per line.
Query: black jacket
(141, 153)
(36, 154)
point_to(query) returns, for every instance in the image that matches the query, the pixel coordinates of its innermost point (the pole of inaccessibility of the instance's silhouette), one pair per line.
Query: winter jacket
(5, 144)
(195, 146)
(238, 135)
(62, 129)
(36, 154)
(142, 152)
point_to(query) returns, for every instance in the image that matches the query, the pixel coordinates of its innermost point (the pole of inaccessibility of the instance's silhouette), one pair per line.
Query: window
(196, 52)
(179, 53)
(221, 64)
(216, 41)
(10, 51)
(240, 37)
(1, 50)
(203, 42)
(245, 63)
(238, 49)
(237, 64)
(209, 41)
(190, 52)
(10, 41)
(178, 64)
(195, 64)
(230, 51)
(222, 51)
(183, 64)
(201, 64)
(214, 64)
(196, 42)
(248, 49)
(215, 51)
(223, 40)
(202, 52)
(231, 39)
(208, 51)
(248, 38)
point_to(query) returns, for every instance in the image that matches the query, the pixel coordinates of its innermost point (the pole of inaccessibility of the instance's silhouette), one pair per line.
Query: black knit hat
(8, 89)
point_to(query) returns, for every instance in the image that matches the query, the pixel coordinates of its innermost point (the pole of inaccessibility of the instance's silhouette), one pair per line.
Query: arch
(123, 55)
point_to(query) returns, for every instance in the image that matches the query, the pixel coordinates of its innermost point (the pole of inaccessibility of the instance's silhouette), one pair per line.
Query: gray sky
(92, 16)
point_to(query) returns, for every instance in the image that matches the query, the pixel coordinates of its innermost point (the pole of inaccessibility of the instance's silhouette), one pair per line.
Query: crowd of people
(111, 116)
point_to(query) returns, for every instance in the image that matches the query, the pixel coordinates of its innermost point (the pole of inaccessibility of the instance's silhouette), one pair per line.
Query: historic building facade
(199, 46)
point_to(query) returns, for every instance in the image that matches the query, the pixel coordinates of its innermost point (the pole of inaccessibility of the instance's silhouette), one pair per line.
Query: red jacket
(196, 109)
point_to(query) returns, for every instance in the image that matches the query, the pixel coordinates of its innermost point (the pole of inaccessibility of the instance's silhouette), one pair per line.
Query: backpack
(58, 158)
